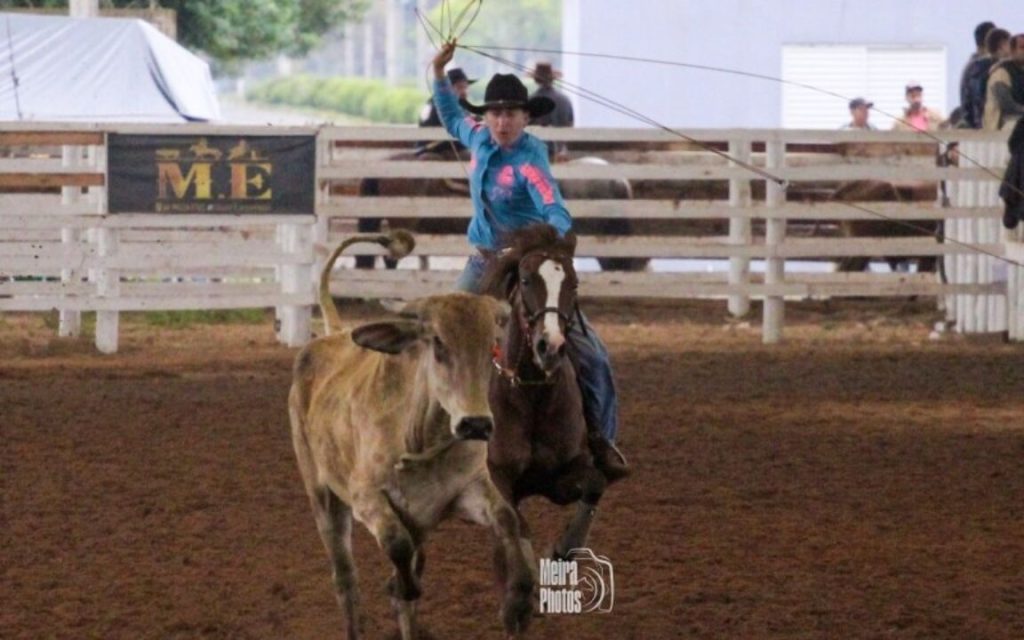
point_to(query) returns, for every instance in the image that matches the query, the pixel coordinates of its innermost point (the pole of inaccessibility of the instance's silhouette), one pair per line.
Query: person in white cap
(917, 117)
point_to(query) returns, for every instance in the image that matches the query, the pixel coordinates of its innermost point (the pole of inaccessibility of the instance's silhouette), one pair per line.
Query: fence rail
(61, 249)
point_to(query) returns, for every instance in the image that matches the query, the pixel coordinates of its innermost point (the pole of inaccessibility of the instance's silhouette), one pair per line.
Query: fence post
(775, 235)
(947, 302)
(739, 230)
(70, 319)
(108, 280)
(997, 269)
(1015, 285)
(322, 227)
(296, 279)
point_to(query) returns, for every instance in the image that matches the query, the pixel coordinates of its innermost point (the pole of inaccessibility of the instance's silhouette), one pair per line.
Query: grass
(167, 319)
(188, 318)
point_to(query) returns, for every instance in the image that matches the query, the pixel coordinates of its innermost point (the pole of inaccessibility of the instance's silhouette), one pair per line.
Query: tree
(530, 24)
(232, 31)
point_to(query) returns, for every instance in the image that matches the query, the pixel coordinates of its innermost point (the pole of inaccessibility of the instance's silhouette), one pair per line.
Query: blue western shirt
(510, 187)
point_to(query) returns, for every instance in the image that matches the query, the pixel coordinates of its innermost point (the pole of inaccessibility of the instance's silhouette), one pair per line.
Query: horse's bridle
(528, 320)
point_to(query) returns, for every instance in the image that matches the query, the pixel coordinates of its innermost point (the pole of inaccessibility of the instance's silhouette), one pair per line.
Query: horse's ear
(508, 283)
(570, 242)
(388, 337)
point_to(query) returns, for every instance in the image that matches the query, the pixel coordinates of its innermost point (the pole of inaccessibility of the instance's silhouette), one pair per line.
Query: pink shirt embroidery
(506, 177)
(534, 176)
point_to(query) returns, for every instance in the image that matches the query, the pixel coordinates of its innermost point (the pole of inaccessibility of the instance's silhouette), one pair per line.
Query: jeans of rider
(593, 366)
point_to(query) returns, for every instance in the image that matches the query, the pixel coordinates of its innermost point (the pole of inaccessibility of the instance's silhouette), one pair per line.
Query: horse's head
(546, 304)
(536, 275)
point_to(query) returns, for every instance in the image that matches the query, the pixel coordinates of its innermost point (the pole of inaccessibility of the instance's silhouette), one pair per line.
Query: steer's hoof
(516, 614)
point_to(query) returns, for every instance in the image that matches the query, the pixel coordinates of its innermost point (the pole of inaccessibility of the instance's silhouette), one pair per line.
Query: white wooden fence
(85, 259)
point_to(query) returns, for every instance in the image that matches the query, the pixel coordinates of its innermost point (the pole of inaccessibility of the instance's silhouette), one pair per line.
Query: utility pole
(391, 31)
(84, 8)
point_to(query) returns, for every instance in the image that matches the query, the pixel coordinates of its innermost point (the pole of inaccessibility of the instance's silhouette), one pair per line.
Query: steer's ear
(388, 337)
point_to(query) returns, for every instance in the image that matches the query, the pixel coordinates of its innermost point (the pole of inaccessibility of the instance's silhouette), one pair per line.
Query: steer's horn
(414, 309)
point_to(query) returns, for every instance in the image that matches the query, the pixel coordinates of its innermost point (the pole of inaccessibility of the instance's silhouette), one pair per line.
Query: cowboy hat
(543, 72)
(506, 91)
(456, 74)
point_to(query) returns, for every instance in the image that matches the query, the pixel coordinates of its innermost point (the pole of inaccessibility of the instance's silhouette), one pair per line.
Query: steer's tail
(399, 243)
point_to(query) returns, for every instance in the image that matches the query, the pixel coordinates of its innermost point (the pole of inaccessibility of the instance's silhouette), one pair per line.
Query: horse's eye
(524, 281)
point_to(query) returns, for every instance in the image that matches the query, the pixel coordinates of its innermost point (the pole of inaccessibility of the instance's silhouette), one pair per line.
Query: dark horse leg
(583, 484)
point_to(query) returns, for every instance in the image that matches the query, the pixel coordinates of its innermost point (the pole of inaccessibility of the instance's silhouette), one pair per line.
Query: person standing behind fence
(1012, 188)
(859, 110)
(1004, 98)
(969, 97)
(975, 81)
(428, 114)
(917, 117)
(562, 115)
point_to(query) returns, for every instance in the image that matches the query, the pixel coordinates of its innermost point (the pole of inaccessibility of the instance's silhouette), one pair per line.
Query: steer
(390, 422)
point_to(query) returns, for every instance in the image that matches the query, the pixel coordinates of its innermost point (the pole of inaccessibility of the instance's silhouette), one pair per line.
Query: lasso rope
(636, 115)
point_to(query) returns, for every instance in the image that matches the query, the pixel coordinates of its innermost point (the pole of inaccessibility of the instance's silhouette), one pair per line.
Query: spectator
(1004, 97)
(428, 114)
(917, 117)
(562, 116)
(975, 80)
(859, 110)
(1012, 188)
(980, 33)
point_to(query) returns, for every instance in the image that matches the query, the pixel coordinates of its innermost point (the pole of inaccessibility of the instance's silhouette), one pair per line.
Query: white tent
(56, 68)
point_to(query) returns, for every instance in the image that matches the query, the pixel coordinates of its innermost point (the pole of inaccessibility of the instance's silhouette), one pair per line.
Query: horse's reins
(527, 320)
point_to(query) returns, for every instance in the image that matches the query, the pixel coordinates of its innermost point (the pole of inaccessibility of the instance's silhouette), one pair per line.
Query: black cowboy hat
(506, 91)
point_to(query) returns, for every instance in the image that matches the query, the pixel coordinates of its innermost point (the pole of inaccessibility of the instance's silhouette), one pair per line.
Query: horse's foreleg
(588, 484)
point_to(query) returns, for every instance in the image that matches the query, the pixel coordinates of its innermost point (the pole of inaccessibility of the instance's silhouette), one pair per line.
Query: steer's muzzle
(474, 428)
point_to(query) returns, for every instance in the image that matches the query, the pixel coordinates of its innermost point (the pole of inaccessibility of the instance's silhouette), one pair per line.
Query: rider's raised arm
(543, 189)
(458, 123)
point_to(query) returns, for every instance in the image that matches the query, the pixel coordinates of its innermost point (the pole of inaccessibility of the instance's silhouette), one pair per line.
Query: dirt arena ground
(859, 481)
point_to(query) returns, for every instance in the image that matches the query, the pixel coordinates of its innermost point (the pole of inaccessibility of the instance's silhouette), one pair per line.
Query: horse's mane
(502, 272)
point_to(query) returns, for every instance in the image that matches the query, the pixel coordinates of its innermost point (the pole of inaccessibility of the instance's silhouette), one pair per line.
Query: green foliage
(185, 319)
(532, 24)
(370, 99)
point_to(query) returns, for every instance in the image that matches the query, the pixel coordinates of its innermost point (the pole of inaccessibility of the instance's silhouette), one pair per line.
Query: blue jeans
(593, 366)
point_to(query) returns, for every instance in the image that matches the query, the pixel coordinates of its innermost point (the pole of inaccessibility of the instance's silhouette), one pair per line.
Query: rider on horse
(511, 187)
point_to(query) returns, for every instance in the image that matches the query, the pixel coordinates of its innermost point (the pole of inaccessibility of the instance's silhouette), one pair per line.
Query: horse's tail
(399, 243)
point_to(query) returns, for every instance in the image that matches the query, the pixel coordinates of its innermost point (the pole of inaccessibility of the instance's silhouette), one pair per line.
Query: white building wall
(745, 35)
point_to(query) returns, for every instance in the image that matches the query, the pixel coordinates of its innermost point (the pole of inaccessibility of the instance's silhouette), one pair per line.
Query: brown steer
(390, 423)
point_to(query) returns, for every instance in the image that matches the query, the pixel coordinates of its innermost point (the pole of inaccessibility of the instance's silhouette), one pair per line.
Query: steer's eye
(440, 350)
(525, 281)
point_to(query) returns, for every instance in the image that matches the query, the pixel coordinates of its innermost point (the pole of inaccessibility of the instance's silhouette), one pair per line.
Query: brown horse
(539, 445)
(880, 191)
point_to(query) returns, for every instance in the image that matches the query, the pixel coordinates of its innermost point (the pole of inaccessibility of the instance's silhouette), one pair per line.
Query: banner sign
(211, 174)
